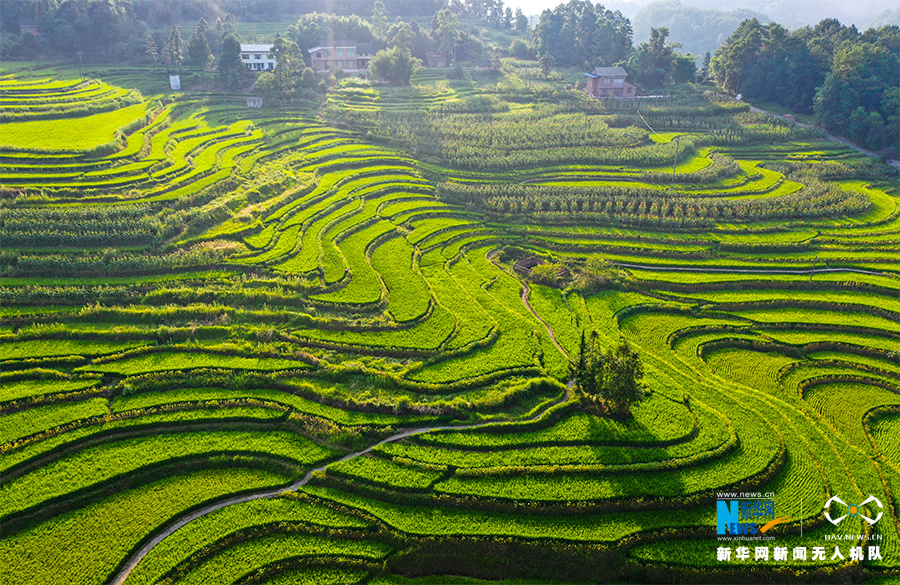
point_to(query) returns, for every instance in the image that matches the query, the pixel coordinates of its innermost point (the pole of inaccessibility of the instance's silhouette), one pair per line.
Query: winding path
(525, 291)
(170, 529)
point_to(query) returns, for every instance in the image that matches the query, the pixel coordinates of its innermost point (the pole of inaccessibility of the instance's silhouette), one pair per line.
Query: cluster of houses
(602, 82)
(346, 57)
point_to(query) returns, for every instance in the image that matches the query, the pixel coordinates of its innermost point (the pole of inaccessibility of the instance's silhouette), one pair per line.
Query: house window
(319, 55)
(350, 53)
(340, 53)
(607, 81)
(257, 56)
(245, 57)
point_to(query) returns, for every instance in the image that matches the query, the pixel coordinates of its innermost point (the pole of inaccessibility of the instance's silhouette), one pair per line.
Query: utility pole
(81, 64)
(675, 164)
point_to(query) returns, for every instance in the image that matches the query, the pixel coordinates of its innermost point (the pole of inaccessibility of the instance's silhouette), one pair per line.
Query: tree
(446, 31)
(703, 74)
(150, 49)
(401, 36)
(653, 63)
(598, 274)
(285, 79)
(547, 63)
(548, 273)
(176, 48)
(230, 66)
(308, 79)
(395, 66)
(508, 18)
(518, 49)
(379, 20)
(521, 20)
(859, 97)
(609, 381)
(580, 34)
(770, 63)
(198, 47)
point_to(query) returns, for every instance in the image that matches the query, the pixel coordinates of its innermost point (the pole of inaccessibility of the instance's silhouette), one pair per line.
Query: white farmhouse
(257, 57)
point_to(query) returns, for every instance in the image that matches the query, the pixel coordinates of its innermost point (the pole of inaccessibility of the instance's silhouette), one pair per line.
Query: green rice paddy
(230, 299)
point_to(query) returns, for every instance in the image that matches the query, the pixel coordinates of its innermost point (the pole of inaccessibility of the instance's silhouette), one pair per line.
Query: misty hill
(790, 13)
(698, 30)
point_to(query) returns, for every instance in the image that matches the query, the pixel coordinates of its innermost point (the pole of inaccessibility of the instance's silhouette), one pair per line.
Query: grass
(37, 348)
(177, 360)
(35, 420)
(656, 420)
(209, 529)
(55, 552)
(240, 559)
(31, 388)
(92, 466)
(408, 294)
(69, 134)
(353, 256)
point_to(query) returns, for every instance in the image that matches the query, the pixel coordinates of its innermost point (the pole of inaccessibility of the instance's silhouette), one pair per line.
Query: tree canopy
(609, 380)
(580, 34)
(850, 80)
(230, 66)
(656, 62)
(395, 65)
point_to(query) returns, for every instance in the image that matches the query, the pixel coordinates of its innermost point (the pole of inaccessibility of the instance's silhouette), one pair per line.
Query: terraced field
(303, 339)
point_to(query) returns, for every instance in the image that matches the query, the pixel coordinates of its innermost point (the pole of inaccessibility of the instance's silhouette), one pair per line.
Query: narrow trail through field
(525, 292)
(170, 529)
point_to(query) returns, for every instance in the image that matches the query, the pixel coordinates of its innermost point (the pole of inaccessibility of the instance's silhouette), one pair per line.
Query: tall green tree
(703, 73)
(770, 63)
(609, 381)
(150, 50)
(379, 20)
(446, 31)
(198, 46)
(231, 69)
(521, 20)
(401, 35)
(282, 84)
(395, 66)
(316, 28)
(176, 48)
(547, 63)
(656, 62)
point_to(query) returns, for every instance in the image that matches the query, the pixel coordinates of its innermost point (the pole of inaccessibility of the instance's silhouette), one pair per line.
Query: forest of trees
(581, 34)
(850, 80)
